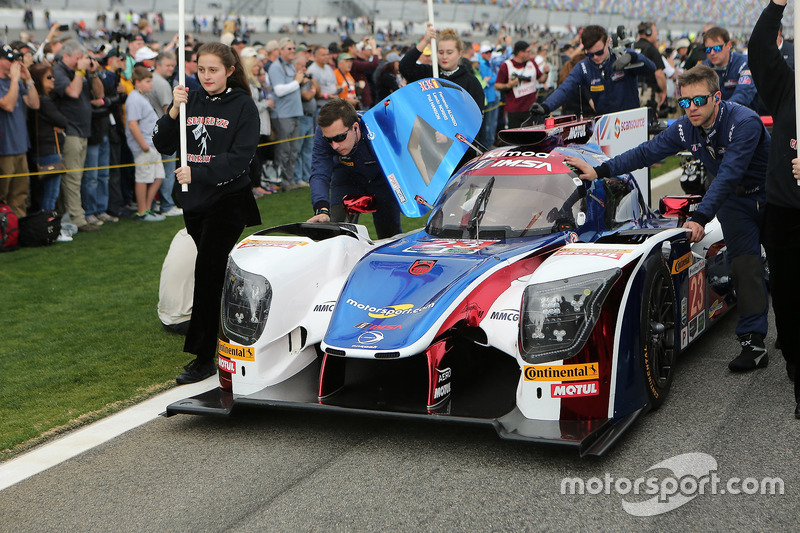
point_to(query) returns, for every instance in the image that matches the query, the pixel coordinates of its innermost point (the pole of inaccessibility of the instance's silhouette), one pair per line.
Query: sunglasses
(50, 77)
(338, 138)
(716, 48)
(592, 54)
(699, 101)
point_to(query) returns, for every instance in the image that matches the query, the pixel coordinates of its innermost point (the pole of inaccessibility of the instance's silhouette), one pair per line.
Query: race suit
(781, 230)
(610, 90)
(735, 152)
(735, 81)
(358, 173)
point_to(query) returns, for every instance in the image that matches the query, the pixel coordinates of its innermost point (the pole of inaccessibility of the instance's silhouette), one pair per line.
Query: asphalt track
(290, 471)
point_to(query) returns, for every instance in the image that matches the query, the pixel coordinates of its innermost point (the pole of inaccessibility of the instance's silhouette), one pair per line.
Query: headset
(646, 28)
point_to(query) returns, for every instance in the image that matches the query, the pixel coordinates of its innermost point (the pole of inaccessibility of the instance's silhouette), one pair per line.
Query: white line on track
(75, 442)
(665, 178)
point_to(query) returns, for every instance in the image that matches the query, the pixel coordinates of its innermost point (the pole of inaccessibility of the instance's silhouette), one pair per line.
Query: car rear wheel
(658, 330)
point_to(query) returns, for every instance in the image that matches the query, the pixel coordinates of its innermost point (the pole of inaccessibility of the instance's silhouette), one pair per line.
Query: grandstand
(678, 16)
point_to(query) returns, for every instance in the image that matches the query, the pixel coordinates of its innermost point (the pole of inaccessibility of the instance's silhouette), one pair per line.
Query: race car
(549, 308)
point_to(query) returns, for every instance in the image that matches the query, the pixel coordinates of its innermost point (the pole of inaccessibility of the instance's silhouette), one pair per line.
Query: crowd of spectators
(73, 98)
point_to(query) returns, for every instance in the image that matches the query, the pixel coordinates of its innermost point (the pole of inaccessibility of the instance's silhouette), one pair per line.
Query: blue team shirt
(13, 126)
(735, 82)
(734, 150)
(611, 90)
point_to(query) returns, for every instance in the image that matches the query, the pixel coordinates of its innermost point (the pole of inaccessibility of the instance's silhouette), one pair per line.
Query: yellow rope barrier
(37, 173)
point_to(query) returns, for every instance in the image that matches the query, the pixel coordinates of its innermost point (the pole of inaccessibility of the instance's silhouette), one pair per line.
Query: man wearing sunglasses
(612, 86)
(733, 144)
(735, 81)
(343, 162)
(781, 227)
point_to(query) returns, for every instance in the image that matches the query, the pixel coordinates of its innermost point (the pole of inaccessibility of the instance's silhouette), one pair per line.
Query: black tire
(658, 331)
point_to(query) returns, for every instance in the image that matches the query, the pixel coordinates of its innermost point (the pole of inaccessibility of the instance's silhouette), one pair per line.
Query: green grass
(79, 333)
(670, 163)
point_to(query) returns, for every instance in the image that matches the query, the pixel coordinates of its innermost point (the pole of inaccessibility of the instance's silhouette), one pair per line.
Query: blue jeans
(51, 183)
(103, 160)
(165, 191)
(489, 126)
(302, 167)
(94, 192)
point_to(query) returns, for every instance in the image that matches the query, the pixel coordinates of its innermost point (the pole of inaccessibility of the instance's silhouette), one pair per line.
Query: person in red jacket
(519, 77)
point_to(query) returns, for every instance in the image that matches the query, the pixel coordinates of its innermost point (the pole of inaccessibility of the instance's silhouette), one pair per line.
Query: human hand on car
(585, 170)
(322, 217)
(696, 231)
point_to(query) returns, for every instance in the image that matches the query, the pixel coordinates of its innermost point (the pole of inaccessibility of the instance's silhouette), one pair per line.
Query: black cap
(238, 40)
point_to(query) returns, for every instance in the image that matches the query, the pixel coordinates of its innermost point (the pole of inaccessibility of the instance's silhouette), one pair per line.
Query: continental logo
(582, 372)
(682, 263)
(243, 353)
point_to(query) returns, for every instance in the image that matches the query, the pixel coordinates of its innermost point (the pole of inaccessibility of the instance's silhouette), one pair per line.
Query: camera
(63, 27)
(516, 76)
(118, 35)
(9, 53)
(620, 42)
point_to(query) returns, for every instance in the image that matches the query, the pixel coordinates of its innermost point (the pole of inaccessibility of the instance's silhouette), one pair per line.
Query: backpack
(39, 229)
(9, 229)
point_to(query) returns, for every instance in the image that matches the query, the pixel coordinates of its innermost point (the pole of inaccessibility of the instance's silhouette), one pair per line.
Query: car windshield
(505, 206)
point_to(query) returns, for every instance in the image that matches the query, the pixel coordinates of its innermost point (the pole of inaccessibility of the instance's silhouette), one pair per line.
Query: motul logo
(574, 390)
(227, 365)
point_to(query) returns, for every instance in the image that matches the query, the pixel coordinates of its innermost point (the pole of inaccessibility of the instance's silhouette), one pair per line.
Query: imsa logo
(574, 390)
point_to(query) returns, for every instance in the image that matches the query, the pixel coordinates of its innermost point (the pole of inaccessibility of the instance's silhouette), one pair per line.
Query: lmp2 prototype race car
(550, 308)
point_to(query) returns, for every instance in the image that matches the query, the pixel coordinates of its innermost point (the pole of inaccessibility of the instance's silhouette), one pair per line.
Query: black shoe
(797, 410)
(196, 371)
(754, 354)
(790, 370)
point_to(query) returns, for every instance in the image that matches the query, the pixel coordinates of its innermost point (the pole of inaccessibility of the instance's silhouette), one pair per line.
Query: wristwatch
(322, 211)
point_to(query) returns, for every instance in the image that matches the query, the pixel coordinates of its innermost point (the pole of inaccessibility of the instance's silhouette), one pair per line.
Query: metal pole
(434, 49)
(182, 81)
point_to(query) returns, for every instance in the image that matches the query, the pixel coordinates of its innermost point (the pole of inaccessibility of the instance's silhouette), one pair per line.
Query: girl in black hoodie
(222, 135)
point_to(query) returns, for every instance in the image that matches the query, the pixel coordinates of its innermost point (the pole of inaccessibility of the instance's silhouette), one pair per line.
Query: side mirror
(680, 207)
(359, 204)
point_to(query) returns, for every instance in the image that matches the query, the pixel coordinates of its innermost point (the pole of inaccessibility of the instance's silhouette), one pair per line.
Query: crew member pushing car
(343, 163)
(733, 144)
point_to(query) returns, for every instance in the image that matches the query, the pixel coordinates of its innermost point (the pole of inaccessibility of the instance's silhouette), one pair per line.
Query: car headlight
(246, 299)
(558, 316)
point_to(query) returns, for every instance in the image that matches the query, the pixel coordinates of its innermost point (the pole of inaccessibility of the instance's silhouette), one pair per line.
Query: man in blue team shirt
(612, 86)
(343, 163)
(733, 144)
(735, 81)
